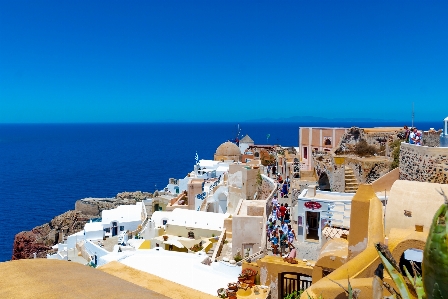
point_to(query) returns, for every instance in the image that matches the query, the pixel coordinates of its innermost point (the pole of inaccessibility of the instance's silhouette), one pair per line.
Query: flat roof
(250, 203)
(184, 268)
(47, 278)
(327, 195)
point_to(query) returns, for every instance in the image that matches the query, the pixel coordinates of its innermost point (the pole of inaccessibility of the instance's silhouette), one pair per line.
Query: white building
(123, 218)
(244, 143)
(322, 214)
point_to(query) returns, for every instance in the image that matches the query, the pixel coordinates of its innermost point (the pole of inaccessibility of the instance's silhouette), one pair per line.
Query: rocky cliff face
(41, 238)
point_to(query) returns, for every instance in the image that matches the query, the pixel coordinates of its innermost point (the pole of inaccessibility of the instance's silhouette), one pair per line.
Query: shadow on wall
(324, 182)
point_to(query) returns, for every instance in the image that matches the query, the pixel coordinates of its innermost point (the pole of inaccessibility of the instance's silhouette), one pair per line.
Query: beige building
(317, 139)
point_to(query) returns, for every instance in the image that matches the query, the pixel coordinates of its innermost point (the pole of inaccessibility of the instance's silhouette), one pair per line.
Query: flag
(267, 136)
(197, 158)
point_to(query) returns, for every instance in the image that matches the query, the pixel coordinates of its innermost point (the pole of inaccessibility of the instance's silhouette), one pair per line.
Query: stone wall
(424, 164)
(324, 163)
(431, 138)
(266, 188)
(366, 170)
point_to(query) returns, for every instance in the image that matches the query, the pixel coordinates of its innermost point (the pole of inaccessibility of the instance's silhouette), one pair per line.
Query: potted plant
(165, 238)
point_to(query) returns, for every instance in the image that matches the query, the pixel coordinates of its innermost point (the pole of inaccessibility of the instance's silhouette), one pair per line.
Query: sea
(45, 168)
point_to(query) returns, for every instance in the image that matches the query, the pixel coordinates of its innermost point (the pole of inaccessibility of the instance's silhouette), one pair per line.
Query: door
(312, 225)
(114, 229)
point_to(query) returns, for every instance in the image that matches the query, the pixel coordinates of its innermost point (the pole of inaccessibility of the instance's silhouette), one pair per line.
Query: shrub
(363, 149)
(238, 257)
(395, 147)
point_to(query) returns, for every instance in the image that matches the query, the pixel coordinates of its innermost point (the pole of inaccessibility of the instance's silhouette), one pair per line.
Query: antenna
(412, 115)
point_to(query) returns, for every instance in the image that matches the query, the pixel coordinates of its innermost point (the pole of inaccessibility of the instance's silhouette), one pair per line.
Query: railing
(256, 256)
(142, 227)
(219, 245)
(203, 206)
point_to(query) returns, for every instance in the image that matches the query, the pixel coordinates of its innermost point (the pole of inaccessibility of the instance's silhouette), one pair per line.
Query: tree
(266, 158)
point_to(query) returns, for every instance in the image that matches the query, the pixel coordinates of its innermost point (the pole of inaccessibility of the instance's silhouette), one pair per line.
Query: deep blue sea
(45, 168)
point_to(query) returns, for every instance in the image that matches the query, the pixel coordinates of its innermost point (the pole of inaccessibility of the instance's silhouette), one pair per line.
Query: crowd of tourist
(411, 136)
(279, 231)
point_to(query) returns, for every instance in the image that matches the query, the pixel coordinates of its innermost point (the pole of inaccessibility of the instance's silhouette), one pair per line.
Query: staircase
(351, 184)
(212, 249)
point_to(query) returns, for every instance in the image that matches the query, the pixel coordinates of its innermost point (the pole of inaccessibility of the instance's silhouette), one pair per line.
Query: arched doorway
(324, 182)
(408, 252)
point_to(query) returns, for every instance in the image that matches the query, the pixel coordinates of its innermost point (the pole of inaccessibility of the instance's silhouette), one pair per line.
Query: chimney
(311, 190)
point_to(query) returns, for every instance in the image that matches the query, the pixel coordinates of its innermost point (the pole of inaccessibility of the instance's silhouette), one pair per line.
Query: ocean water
(45, 168)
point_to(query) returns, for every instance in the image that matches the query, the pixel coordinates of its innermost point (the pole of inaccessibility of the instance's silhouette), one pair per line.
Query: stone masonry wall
(424, 164)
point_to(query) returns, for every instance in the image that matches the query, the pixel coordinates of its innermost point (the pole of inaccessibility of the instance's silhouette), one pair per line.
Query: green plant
(259, 179)
(395, 147)
(294, 295)
(238, 257)
(435, 255)
(394, 271)
(213, 235)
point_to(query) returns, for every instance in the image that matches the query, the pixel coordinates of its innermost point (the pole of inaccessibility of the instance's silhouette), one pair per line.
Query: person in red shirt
(282, 211)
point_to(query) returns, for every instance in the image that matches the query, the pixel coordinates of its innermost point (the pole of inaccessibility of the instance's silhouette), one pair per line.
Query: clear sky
(187, 60)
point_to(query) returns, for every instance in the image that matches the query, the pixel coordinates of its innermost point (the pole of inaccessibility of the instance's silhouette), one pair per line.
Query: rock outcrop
(41, 238)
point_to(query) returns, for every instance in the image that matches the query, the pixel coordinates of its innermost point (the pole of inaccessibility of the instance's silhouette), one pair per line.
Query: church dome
(228, 149)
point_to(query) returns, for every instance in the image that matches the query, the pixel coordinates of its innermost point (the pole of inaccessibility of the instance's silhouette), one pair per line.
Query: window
(305, 152)
(122, 228)
(107, 229)
(164, 222)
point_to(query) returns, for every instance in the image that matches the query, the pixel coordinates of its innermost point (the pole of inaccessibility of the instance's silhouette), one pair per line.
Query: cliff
(41, 238)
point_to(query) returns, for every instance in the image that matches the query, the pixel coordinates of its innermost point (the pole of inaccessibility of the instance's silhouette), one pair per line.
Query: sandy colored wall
(176, 230)
(386, 181)
(246, 229)
(271, 266)
(421, 199)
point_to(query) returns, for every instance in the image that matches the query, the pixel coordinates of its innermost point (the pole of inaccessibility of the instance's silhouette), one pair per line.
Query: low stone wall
(424, 164)
(431, 138)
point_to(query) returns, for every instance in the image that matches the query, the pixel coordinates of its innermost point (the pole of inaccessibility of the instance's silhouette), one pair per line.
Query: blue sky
(142, 61)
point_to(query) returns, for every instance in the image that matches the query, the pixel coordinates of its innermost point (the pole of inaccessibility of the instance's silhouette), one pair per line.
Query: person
(282, 210)
(412, 136)
(284, 227)
(406, 133)
(291, 234)
(273, 170)
(418, 138)
(285, 189)
(274, 243)
(287, 214)
(270, 231)
(274, 215)
(283, 237)
(275, 201)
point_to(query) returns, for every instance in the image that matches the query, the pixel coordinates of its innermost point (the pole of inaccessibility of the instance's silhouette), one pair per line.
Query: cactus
(435, 256)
